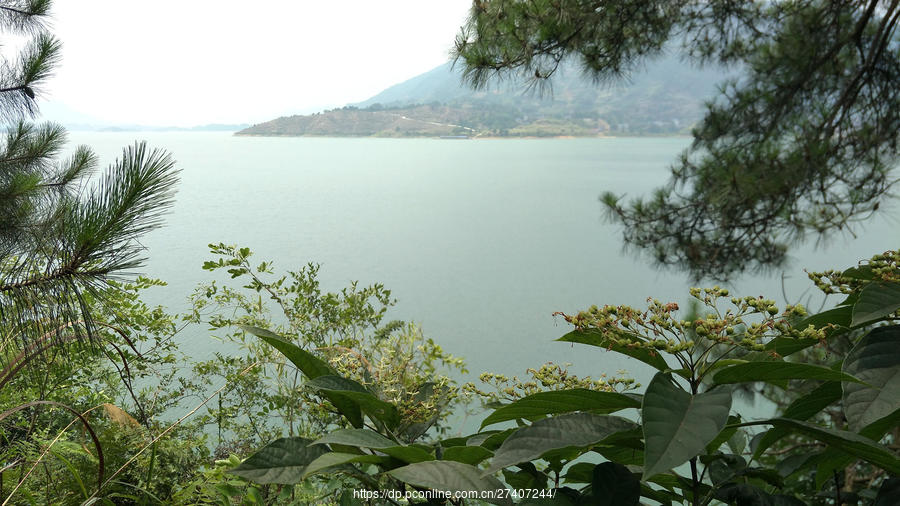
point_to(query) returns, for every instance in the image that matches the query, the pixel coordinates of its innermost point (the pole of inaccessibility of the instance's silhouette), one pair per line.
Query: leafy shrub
(688, 446)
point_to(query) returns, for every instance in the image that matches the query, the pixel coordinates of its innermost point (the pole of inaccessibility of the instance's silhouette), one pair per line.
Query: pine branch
(24, 16)
(21, 80)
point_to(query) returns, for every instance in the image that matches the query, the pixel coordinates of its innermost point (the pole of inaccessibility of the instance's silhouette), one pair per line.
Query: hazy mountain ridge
(667, 98)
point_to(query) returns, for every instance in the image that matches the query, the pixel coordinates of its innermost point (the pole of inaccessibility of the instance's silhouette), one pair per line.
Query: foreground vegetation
(333, 399)
(315, 399)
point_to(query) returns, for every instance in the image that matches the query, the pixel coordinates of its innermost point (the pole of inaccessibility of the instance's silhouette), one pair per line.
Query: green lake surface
(480, 241)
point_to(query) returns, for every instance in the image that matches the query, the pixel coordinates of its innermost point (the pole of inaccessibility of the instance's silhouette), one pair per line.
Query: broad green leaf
(831, 460)
(889, 493)
(582, 472)
(282, 461)
(789, 465)
(527, 476)
(877, 429)
(751, 495)
(673, 482)
(785, 346)
(345, 405)
(577, 430)
(331, 459)
(596, 338)
(362, 438)
(775, 371)
(561, 401)
(876, 300)
(839, 316)
(343, 388)
(863, 272)
(678, 425)
(850, 443)
(491, 439)
(615, 485)
(311, 366)
(726, 434)
(467, 454)
(410, 454)
(458, 441)
(737, 442)
(449, 476)
(828, 462)
(663, 497)
(875, 360)
(622, 455)
(723, 468)
(803, 408)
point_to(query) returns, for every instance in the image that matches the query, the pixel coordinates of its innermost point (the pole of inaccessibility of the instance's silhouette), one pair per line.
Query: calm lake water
(480, 241)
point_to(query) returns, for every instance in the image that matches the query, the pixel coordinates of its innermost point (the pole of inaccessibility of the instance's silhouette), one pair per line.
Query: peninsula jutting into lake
(665, 99)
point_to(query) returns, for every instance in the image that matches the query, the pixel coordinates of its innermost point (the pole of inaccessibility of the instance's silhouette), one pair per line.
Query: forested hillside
(667, 98)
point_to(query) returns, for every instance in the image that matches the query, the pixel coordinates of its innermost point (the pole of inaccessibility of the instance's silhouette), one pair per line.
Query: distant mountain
(666, 98)
(440, 84)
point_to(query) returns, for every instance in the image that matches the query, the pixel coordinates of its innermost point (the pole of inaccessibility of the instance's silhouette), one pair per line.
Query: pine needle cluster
(64, 229)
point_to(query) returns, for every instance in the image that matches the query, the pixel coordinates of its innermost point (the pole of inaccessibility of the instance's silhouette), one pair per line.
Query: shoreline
(473, 138)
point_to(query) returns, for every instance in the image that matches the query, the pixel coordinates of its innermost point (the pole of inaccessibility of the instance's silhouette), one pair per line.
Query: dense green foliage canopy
(802, 141)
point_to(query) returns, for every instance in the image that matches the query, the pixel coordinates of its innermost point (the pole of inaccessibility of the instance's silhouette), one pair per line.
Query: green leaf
(582, 472)
(577, 430)
(344, 404)
(678, 425)
(449, 476)
(839, 316)
(527, 477)
(467, 454)
(663, 497)
(490, 439)
(850, 443)
(361, 438)
(309, 365)
(875, 360)
(621, 454)
(786, 346)
(749, 495)
(889, 493)
(831, 460)
(410, 454)
(343, 388)
(596, 338)
(876, 300)
(776, 371)
(331, 459)
(723, 436)
(803, 408)
(615, 485)
(828, 462)
(863, 272)
(282, 461)
(561, 401)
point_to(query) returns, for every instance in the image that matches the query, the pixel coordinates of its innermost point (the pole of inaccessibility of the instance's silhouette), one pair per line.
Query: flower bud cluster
(548, 377)
(750, 323)
(883, 267)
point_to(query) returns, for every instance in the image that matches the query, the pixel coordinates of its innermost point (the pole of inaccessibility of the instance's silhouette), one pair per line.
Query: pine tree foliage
(802, 142)
(63, 228)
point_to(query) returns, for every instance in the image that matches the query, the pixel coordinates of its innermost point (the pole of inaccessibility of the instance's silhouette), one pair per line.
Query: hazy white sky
(190, 62)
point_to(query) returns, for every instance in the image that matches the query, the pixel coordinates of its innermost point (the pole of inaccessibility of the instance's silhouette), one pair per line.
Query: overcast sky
(191, 62)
